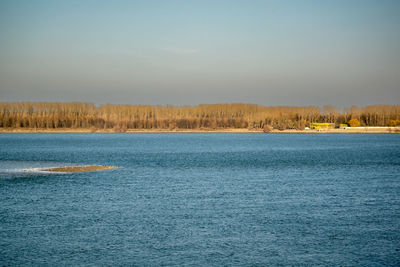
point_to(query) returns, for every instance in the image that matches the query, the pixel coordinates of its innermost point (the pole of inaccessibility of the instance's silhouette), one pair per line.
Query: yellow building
(319, 126)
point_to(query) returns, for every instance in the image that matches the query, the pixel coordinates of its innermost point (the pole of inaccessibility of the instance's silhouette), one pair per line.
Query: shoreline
(229, 130)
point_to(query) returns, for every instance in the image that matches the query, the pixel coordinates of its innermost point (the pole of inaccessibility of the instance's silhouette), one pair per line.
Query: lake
(207, 199)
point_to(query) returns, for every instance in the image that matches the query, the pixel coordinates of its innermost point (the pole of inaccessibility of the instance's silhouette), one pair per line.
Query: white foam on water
(12, 169)
(42, 170)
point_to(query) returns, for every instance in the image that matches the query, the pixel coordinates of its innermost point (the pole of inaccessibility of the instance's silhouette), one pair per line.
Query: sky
(297, 53)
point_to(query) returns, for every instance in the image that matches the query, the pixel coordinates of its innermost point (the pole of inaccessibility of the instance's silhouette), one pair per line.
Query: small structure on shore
(320, 126)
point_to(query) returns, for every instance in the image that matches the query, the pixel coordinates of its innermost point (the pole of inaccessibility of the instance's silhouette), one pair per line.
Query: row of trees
(88, 115)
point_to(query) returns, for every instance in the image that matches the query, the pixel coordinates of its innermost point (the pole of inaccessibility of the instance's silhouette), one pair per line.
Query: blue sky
(191, 52)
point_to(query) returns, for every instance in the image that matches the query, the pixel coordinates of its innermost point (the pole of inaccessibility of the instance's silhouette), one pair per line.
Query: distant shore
(204, 130)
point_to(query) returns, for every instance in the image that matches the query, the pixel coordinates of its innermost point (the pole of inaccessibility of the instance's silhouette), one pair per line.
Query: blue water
(201, 199)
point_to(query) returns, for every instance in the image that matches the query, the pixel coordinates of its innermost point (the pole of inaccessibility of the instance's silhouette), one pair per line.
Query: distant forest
(216, 116)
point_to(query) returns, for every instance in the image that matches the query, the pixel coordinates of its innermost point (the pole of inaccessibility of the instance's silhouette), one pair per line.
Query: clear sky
(191, 52)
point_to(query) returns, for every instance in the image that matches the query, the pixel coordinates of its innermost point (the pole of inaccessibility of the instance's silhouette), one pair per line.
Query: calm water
(201, 199)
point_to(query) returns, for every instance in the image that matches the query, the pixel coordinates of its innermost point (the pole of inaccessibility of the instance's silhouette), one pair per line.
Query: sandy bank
(88, 168)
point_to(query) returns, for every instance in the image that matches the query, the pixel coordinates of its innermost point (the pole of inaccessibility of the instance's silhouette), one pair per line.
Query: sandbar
(87, 168)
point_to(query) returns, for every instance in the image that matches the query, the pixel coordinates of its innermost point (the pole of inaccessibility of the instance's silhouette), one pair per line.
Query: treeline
(121, 117)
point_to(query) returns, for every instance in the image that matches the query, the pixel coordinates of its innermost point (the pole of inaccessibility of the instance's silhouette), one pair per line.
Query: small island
(87, 168)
